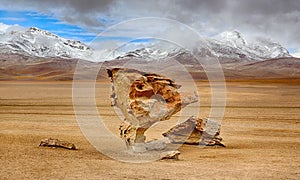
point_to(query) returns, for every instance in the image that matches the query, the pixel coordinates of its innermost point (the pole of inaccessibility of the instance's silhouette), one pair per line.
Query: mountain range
(229, 44)
(36, 54)
(40, 43)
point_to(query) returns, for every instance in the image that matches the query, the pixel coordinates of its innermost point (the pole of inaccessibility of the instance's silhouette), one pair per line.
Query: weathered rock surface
(144, 99)
(156, 145)
(50, 142)
(196, 131)
(170, 155)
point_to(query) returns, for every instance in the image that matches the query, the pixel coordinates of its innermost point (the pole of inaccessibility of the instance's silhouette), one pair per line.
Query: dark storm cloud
(266, 7)
(279, 19)
(72, 11)
(51, 5)
(76, 11)
(185, 10)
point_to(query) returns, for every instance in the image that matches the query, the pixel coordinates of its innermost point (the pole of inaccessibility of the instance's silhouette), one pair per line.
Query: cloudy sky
(84, 19)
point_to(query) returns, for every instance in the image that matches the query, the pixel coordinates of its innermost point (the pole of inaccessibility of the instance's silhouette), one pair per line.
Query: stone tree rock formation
(144, 99)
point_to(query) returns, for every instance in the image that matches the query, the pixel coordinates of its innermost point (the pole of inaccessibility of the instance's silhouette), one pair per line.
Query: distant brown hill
(26, 68)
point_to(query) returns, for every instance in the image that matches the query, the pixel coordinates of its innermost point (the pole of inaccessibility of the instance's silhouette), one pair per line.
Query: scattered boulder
(170, 155)
(56, 143)
(196, 131)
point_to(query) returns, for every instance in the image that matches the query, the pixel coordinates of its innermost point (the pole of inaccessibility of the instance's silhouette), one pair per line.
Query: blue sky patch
(29, 19)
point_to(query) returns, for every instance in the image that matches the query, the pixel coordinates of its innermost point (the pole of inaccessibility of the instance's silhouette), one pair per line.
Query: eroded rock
(156, 145)
(170, 155)
(50, 142)
(196, 131)
(144, 99)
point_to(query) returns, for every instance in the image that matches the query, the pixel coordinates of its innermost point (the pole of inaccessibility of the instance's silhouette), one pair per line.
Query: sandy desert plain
(261, 131)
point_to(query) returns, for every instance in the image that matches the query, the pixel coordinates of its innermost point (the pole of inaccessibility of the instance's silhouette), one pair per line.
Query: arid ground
(261, 131)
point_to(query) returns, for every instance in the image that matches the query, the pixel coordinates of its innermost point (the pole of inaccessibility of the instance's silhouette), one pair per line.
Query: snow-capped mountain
(40, 43)
(229, 44)
(151, 53)
(234, 44)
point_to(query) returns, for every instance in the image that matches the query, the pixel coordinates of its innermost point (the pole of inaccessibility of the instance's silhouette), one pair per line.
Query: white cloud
(7, 28)
(12, 19)
(3, 27)
(296, 54)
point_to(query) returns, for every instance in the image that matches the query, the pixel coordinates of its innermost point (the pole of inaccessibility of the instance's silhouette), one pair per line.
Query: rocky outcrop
(196, 131)
(144, 99)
